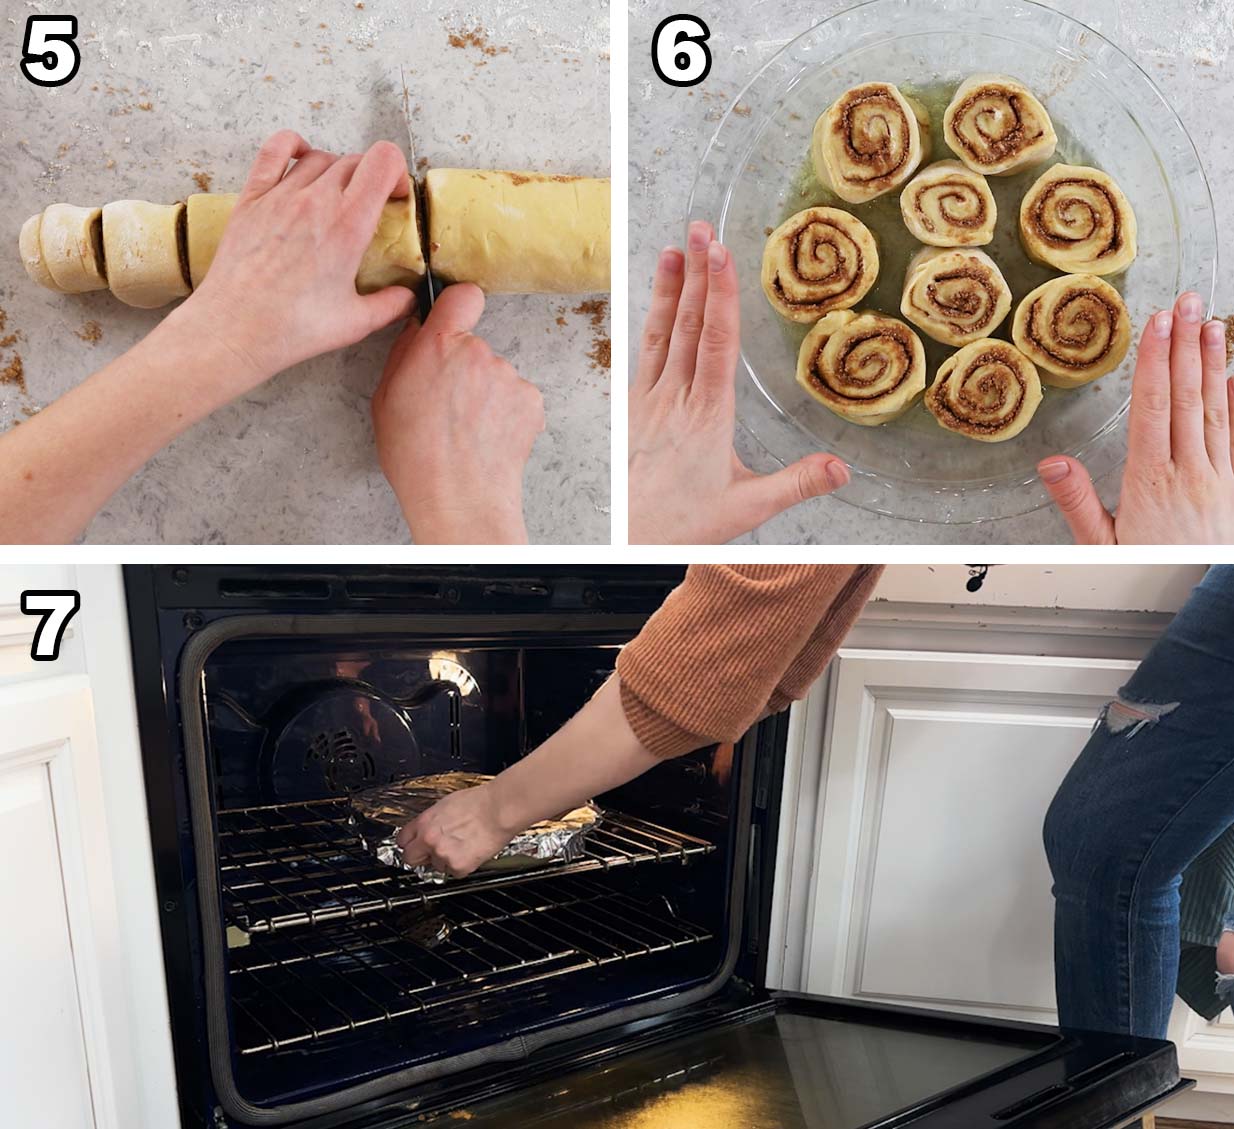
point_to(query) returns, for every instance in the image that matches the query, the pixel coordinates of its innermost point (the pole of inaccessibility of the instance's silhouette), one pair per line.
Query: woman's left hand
(457, 834)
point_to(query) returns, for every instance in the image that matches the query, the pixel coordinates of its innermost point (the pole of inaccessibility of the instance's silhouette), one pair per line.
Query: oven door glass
(806, 1063)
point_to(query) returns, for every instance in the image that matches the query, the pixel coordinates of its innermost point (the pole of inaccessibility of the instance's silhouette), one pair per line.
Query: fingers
(402, 344)
(1149, 421)
(309, 167)
(271, 161)
(765, 496)
(1072, 490)
(719, 343)
(1186, 382)
(688, 324)
(387, 306)
(381, 173)
(340, 173)
(658, 329)
(457, 309)
(1216, 396)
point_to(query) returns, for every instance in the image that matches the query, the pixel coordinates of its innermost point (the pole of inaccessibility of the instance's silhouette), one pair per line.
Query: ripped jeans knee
(1126, 716)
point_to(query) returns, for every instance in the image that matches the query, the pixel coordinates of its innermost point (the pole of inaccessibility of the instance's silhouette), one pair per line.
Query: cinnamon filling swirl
(988, 391)
(869, 141)
(996, 125)
(1077, 219)
(955, 296)
(947, 205)
(865, 367)
(1076, 328)
(819, 260)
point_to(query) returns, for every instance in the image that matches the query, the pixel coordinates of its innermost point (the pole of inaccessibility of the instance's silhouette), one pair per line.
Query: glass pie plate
(1107, 112)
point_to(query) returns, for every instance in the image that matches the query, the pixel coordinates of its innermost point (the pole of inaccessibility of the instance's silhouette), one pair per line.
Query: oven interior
(341, 970)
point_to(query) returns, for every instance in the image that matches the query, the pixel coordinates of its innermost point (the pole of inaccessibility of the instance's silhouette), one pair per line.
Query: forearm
(60, 467)
(592, 753)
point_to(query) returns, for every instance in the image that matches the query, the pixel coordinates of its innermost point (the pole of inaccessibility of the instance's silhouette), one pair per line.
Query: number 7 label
(57, 606)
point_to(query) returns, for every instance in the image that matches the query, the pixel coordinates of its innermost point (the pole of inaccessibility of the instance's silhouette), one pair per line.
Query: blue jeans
(1153, 788)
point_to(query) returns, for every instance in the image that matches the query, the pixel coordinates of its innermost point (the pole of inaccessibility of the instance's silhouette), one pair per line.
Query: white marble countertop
(1186, 46)
(170, 92)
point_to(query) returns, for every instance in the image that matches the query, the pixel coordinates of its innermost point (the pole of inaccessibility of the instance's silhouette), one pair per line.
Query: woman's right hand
(1178, 484)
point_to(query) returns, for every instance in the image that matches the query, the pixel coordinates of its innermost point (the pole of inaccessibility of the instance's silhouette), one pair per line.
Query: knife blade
(430, 290)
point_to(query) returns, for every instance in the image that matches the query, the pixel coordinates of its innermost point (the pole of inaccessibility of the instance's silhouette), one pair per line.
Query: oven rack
(289, 989)
(287, 865)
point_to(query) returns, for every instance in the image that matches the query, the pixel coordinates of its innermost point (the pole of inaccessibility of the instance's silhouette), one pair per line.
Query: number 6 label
(57, 606)
(49, 54)
(679, 51)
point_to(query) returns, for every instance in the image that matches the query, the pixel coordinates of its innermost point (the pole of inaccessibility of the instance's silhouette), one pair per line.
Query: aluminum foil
(377, 814)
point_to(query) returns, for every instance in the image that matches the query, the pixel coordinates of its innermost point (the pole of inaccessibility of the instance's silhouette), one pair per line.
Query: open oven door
(804, 1062)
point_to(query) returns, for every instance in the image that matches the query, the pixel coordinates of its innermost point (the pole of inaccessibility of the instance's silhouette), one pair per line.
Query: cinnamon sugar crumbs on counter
(4, 318)
(15, 374)
(476, 37)
(561, 320)
(91, 332)
(9, 341)
(316, 105)
(594, 308)
(202, 180)
(601, 353)
(146, 106)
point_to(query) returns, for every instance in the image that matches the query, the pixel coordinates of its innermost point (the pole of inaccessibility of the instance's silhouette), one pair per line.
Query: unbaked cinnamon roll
(1076, 328)
(995, 125)
(954, 295)
(948, 205)
(1077, 219)
(870, 140)
(988, 391)
(863, 366)
(819, 260)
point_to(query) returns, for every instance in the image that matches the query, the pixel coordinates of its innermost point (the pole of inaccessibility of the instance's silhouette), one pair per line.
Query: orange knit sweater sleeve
(731, 643)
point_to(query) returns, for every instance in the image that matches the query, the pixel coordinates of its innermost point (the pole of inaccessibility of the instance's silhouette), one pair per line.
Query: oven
(312, 987)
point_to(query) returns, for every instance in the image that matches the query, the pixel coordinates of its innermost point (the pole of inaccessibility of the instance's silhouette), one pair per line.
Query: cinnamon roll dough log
(393, 258)
(869, 141)
(71, 248)
(865, 367)
(996, 126)
(949, 205)
(519, 232)
(819, 260)
(988, 391)
(32, 253)
(147, 257)
(955, 295)
(1077, 219)
(1075, 328)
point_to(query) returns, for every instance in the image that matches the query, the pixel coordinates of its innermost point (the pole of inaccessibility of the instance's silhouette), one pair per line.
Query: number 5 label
(49, 55)
(57, 606)
(679, 50)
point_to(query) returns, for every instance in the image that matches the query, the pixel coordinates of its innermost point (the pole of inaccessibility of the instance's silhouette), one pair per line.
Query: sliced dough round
(32, 253)
(1076, 328)
(819, 260)
(146, 252)
(948, 205)
(869, 141)
(70, 239)
(864, 366)
(1077, 219)
(988, 391)
(395, 256)
(996, 125)
(955, 295)
(206, 216)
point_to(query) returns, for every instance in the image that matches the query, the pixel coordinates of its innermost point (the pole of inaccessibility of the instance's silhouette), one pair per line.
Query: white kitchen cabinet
(84, 1036)
(920, 768)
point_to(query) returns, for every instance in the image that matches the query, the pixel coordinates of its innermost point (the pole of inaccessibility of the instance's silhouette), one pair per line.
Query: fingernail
(1054, 471)
(698, 236)
(671, 260)
(1191, 308)
(717, 256)
(1214, 333)
(1163, 324)
(837, 474)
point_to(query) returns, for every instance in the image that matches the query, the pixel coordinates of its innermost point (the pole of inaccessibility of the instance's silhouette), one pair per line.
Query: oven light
(445, 668)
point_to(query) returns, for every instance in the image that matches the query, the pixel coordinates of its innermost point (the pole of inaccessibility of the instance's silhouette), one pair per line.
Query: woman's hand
(281, 288)
(687, 485)
(455, 425)
(1178, 484)
(457, 834)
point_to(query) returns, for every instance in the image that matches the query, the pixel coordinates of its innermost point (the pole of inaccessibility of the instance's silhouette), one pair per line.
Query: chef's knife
(430, 291)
